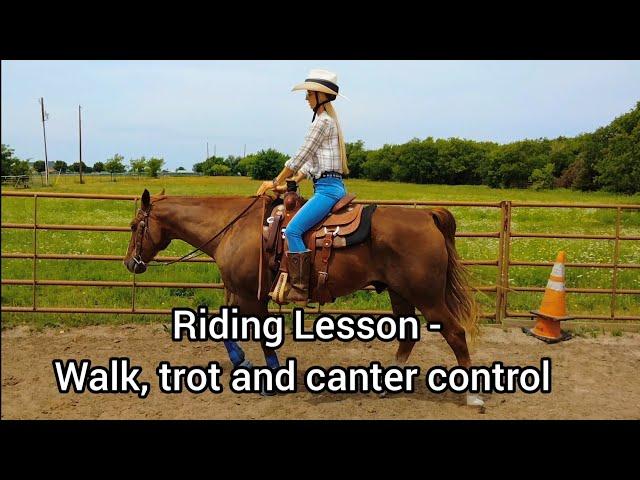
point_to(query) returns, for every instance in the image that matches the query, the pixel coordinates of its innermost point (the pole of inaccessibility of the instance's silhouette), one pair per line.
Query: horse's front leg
(260, 309)
(236, 355)
(235, 352)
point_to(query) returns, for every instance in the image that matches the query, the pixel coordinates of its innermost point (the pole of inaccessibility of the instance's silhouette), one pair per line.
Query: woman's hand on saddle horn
(283, 187)
(268, 185)
(272, 184)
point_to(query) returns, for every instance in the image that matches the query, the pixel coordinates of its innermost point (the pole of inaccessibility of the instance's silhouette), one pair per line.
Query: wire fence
(39, 179)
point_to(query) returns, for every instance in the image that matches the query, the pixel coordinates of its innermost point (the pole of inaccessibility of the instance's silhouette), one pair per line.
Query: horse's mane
(159, 197)
(198, 198)
(212, 201)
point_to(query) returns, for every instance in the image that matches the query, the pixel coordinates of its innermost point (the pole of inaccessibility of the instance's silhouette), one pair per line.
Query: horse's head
(147, 237)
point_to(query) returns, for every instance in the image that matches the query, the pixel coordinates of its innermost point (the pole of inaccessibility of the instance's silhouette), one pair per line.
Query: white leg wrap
(474, 400)
(395, 364)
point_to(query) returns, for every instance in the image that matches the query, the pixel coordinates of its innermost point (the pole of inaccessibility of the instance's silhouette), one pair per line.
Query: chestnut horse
(410, 252)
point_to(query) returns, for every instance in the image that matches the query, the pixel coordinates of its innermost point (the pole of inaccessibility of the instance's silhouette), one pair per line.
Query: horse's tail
(459, 299)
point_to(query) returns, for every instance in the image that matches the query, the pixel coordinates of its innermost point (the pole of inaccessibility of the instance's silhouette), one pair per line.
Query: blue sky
(172, 108)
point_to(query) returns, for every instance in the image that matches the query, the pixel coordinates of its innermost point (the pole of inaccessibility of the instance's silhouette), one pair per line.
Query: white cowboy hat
(320, 80)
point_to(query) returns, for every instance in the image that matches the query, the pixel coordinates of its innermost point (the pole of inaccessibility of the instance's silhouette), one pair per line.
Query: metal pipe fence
(503, 263)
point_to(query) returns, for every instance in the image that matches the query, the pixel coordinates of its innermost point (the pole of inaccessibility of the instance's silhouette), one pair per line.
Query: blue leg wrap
(272, 361)
(236, 354)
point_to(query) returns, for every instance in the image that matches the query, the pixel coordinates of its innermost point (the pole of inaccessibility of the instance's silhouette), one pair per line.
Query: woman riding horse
(411, 252)
(322, 158)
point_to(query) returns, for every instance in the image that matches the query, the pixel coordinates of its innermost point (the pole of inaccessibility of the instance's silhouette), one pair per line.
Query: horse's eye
(133, 228)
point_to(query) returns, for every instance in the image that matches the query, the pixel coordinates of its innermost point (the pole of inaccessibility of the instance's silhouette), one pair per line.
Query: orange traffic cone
(554, 307)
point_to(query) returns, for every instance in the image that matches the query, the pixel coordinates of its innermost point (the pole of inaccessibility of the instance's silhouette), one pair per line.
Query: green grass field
(469, 219)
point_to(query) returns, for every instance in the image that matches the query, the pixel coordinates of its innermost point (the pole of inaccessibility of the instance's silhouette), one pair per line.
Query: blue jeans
(327, 192)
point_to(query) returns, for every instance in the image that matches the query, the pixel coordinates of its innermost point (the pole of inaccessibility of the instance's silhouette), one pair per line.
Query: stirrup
(277, 295)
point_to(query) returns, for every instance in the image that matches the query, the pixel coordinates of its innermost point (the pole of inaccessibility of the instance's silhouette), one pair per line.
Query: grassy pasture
(469, 219)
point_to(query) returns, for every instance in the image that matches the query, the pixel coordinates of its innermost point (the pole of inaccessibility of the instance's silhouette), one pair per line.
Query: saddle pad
(364, 230)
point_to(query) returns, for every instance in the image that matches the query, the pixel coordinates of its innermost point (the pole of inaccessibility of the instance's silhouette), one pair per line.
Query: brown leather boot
(299, 271)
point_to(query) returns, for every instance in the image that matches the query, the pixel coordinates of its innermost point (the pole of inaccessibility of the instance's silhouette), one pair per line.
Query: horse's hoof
(245, 364)
(474, 400)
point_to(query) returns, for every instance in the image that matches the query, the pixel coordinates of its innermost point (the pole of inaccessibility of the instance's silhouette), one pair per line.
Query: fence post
(616, 255)
(35, 247)
(503, 261)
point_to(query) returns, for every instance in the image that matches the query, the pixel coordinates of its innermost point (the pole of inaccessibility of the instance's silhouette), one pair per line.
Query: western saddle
(332, 232)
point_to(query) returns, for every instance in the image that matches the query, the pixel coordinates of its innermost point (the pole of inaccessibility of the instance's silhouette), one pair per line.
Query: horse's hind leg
(405, 309)
(401, 308)
(455, 336)
(451, 330)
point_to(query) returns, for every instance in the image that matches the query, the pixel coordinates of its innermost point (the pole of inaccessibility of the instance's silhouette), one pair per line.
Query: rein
(138, 259)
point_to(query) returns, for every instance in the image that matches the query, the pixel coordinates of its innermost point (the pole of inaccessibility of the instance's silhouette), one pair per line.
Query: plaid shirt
(320, 151)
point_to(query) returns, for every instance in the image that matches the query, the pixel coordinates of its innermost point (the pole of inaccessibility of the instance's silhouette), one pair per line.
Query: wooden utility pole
(207, 151)
(245, 151)
(80, 132)
(44, 133)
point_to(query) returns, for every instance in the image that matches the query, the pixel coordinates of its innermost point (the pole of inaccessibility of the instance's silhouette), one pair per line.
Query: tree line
(12, 165)
(607, 159)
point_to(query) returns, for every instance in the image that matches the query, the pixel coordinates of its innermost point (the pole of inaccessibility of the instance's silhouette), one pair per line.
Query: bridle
(142, 230)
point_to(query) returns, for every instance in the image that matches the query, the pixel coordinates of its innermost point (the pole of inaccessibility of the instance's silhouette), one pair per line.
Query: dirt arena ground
(592, 378)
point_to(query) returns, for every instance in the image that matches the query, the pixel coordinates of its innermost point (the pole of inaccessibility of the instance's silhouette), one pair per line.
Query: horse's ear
(162, 192)
(146, 199)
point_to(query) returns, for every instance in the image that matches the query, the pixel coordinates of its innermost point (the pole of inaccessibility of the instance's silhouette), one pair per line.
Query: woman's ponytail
(328, 107)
